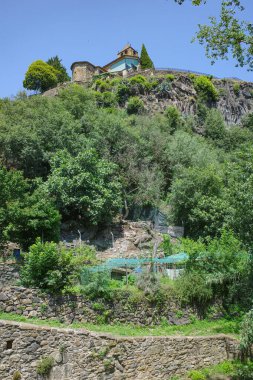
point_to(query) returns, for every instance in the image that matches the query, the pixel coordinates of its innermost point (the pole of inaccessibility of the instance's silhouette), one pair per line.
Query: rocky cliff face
(234, 101)
(232, 104)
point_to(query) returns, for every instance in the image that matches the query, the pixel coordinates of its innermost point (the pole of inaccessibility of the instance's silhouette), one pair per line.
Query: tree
(12, 186)
(33, 216)
(228, 34)
(62, 75)
(146, 62)
(25, 213)
(198, 201)
(85, 186)
(40, 76)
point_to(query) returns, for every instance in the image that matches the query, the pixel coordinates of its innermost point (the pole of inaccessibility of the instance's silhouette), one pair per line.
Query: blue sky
(95, 30)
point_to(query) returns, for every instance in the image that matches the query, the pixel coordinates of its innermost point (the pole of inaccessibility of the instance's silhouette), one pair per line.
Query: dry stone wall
(79, 354)
(33, 303)
(9, 274)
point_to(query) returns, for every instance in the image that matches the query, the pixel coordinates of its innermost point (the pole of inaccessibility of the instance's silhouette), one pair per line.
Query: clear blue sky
(95, 30)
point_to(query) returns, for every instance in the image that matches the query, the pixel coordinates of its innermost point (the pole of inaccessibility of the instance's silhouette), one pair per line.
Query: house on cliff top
(127, 60)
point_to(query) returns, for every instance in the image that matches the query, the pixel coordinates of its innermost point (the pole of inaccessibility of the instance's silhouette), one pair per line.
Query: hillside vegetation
(80, 156)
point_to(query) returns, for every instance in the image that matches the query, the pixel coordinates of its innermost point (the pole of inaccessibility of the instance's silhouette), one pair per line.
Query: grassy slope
(197, 328)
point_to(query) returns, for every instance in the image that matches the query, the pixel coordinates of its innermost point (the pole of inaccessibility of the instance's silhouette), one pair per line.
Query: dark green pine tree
(146, 62)
(62, 75)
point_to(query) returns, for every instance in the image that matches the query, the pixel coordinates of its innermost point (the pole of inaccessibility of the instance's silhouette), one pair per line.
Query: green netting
(134, 263)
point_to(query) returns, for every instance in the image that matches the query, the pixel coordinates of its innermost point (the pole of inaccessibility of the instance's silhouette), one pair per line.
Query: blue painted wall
(123, 64)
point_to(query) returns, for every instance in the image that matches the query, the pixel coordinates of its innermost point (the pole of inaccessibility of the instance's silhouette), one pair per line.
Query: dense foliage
(52, 267)
(62, 75)
(90, 159)
(40, 76)
(25, 211)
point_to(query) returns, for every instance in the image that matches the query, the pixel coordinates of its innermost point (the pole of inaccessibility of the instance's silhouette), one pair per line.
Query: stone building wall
(33, 303)
(80, 354)
(8, 274)
(82, 71)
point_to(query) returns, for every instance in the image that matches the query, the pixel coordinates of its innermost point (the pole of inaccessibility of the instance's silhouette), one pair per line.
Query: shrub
(141, 83)
(246, 336)
(138, 79)
(170, 77)
(206, 89)
(47, 266)
(214, 125)
(122, 93)
(102, 85)
(166, 245)
(95, 284)
(116, 82)
(45, 365)
(236, 88)
(174, 117)
(16, 375)
(192, 289)
(243, 371)
(197, 375)
(149, 283)
(247, 121)
(105, 99)
(135, 106)
(98, 306)
(163, 88)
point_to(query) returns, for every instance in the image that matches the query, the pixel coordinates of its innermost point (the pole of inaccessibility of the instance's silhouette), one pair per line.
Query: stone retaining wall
(80, 354)
(33, 303)
(8, 274)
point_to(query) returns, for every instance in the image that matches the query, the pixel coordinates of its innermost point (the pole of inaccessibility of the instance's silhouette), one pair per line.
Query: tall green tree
(228, 34)
(146, 62)
(62, 75)
(25, 213)
(85, 186)
(40, 76)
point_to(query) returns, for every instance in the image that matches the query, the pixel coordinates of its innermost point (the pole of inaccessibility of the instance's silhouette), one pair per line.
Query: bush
(122, 93)
(247, 121)
(141, 83)
(174, 117)
(45, 365)
(192, 289)
(102, 85)
(214, 125)
(149, 283)
(197, 375)
(236, 88)
(166, 245)
(135, 106)
(246, 336)
(95, 284)
(205, 89)
(243, 371)
(163, 89)
(105, 99)
(170, 77)
(16, 376)
(48, 267)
